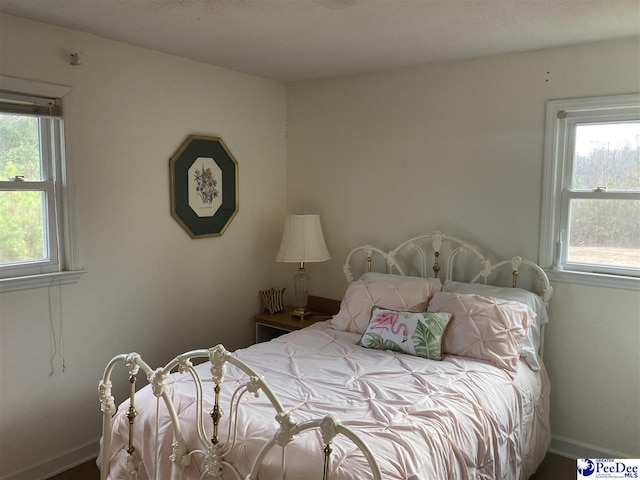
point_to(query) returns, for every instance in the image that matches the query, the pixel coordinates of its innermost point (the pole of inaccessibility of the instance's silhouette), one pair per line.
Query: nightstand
(270, 326)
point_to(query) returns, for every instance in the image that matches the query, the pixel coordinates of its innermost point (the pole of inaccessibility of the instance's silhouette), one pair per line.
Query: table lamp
(302, 242)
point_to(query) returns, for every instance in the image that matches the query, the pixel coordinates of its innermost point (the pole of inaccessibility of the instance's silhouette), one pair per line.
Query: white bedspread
(459, 418)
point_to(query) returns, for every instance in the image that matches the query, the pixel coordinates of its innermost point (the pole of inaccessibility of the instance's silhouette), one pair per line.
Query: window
(591, 191)
(37, 245)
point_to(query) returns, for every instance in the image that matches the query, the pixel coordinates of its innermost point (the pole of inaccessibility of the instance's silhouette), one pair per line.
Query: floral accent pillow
(415, 333)
(361, 297)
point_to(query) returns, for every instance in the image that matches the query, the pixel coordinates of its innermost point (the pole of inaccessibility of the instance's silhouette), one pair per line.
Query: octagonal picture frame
(204, 186)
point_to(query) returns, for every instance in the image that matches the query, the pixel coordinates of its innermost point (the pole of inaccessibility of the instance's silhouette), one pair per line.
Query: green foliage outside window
(21, 212)
(607, 231)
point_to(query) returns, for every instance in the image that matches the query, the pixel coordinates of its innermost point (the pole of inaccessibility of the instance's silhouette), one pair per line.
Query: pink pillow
(355, 309)
(486, 328)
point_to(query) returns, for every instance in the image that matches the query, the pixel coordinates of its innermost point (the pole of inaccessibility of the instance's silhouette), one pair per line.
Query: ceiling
(292, 40)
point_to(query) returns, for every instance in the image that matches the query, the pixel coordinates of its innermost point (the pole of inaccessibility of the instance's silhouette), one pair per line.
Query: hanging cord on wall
(56, 332)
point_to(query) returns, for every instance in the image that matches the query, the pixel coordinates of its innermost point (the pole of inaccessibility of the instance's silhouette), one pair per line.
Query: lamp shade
(302, 240)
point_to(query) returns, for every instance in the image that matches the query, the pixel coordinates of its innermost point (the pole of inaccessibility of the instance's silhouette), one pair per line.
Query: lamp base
(300, 312)
(301, 286)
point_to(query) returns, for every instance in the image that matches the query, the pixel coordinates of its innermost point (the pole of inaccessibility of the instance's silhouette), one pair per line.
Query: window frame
(62, 267)
(562, 116)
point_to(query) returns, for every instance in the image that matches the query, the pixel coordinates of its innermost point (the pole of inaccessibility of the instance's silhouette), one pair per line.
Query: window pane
(607, 155)
(19, 147)
(605, 232)
(21, 226)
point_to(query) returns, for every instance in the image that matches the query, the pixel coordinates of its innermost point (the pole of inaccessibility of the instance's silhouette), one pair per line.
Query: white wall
(149, 286)
(381, 157)
(459, 147)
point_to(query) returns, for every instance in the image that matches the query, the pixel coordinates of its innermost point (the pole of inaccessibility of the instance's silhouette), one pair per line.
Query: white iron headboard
(413, 257)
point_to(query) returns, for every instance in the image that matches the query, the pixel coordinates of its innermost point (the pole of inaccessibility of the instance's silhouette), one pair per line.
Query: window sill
(594, 279)
(38, 281)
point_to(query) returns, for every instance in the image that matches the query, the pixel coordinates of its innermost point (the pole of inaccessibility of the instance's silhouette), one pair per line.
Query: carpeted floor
(554, 467)
(86, 471)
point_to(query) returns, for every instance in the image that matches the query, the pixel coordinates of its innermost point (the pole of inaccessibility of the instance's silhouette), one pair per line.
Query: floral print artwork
(206, 185)
(415, 333)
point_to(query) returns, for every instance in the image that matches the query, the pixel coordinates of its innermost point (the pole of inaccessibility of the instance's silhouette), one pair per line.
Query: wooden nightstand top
(270, 326)
(285, 321)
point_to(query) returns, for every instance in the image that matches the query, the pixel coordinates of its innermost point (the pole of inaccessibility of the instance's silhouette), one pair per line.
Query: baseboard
(54, 466)
(563, 446)
(568, 447)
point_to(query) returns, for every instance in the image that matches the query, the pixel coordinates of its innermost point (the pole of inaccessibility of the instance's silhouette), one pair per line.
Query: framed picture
(204, 186)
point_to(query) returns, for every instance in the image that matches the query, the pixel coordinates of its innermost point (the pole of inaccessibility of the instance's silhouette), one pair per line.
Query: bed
(430, 370)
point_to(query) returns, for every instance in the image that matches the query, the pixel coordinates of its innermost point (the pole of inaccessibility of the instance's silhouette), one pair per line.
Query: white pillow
(373, 277)
(530, 299)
